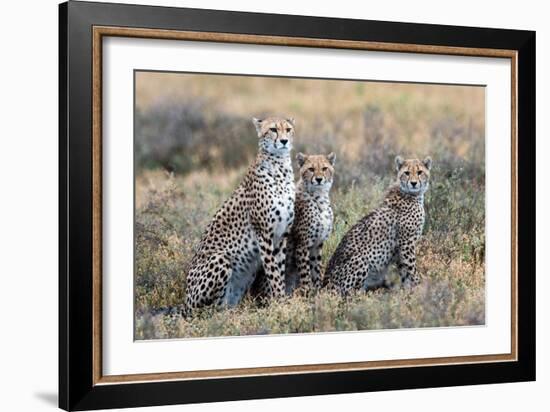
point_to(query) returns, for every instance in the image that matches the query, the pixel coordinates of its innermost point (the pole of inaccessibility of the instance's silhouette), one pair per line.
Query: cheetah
(312, 223)
(250, 230)
(388, 233)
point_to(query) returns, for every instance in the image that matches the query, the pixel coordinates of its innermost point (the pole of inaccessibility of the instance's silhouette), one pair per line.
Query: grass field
(194, 140)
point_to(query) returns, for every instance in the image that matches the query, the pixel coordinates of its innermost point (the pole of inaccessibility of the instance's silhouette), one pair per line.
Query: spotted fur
(312, 226)
(250, 230)
(389, 233)
(313, 221)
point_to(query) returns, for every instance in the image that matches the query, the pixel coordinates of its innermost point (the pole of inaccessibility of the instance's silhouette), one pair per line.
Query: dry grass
(195, 139)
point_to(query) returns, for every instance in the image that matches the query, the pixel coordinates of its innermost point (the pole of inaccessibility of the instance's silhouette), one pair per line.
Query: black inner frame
(76, 388)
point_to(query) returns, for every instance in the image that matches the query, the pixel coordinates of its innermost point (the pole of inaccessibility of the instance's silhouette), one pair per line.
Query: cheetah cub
(389, 233)
(312, 222)
(250, 230)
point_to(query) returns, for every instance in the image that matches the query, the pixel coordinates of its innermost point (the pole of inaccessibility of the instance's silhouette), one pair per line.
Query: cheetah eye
(311, 169)
(273, 129)
(407, 173)
(288, 129)
(325, 169)
(419, 172)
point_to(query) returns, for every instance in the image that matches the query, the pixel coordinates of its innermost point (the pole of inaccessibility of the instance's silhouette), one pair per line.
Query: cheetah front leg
(315, 265)
(273, 260)
(281, 257)
(407, 263)
(302, 265)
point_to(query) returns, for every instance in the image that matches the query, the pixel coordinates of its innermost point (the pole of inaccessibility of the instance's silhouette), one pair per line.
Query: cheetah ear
(331, 157)
(291, 120)
(301, 158)
(428, 162)
(398, 162)
(258, 124)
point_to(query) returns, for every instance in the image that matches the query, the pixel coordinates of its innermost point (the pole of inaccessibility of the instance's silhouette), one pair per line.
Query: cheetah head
(276, 134)
(316, 171)
(413, 174)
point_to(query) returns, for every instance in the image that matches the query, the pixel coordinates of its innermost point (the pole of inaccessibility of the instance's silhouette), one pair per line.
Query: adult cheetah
(249, 232)
(313, 221)
(389, 233)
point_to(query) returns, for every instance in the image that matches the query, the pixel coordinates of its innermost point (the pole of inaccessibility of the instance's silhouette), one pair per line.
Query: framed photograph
(256, 205)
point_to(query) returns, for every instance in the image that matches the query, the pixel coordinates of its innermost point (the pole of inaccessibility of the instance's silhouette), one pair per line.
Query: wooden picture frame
(83, 26)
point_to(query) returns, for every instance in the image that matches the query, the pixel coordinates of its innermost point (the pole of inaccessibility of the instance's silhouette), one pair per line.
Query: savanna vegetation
(194, 139)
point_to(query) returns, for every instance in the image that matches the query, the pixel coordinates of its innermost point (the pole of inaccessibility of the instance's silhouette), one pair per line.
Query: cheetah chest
(324, 224)
(316, 218)
(282, 214)
(411, 220)
(327, 218)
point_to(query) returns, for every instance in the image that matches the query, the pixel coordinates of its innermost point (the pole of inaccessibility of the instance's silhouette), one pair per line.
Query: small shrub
(188, 135)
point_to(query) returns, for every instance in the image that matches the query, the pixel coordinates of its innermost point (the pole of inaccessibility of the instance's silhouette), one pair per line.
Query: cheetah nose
(319, 179)
(284, 141)
(413, 184)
